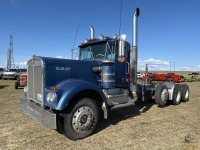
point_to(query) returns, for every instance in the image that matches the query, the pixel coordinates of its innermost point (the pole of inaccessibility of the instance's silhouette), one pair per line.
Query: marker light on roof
(123, 37)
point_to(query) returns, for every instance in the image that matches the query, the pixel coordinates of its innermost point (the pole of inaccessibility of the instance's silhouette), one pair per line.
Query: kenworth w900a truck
(68, 95)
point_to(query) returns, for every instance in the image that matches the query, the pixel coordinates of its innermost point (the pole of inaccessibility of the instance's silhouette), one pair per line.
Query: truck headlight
(51, 97)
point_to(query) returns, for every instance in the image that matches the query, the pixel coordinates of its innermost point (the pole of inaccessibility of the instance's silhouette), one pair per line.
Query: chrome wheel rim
(164, 95)
(187, 94)
(178, 97)
(82, 119)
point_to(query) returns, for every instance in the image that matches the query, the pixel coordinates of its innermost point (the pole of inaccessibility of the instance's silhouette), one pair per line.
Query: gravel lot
(142, 127)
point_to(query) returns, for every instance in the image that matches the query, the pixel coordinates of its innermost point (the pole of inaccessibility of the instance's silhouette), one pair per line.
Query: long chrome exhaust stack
(135, 28)
(92, 32)
(134, 56)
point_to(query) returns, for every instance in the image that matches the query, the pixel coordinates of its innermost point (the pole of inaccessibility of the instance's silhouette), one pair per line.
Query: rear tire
(16, 85)
(16, 78)
(81, 120)
(185, 93)
(161, 95)
(177, 94)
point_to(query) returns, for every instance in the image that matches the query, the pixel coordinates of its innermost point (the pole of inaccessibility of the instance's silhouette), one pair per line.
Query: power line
(173, 64)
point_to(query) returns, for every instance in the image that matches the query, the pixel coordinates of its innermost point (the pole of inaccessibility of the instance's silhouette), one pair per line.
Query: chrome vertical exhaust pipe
(135, 28)
(134, 56)
(91, 32)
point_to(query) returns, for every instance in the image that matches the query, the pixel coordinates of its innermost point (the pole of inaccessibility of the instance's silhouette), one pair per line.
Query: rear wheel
(185, 92)
(82, 119)
(177, 94)
(161, 95)
(16, 85)
(16, 77)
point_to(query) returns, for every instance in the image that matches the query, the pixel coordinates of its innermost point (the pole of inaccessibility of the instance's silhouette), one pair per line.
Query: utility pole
(172, 63)
(10, 58)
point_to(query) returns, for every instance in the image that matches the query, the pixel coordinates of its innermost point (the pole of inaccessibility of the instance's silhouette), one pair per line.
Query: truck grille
(35, 80)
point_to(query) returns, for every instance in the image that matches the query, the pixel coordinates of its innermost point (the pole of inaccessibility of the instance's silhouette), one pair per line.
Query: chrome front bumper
(38, 113)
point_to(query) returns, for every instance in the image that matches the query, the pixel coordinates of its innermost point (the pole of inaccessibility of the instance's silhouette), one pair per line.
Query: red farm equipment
(21, 80)
(170, 77)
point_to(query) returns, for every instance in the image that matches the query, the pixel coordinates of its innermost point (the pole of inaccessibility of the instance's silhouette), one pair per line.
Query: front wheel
(81, 120)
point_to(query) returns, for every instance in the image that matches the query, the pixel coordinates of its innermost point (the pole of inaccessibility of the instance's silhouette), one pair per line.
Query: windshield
(99, 52)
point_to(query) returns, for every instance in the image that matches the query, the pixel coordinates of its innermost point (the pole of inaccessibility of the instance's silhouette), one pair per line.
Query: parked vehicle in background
(139, 75)
(12, 73)
(21, 80)
(1, 72)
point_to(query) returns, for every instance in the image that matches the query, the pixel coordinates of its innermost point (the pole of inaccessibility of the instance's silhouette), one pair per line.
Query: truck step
(117, 95)
(122, 105)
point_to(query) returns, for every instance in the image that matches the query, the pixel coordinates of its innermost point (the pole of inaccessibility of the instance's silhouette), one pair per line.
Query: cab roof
(90, 42)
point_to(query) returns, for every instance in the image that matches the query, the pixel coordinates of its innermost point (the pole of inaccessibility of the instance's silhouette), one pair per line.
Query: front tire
(60, 124)
(81, 120)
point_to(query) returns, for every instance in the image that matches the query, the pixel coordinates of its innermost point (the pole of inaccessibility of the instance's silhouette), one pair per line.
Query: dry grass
(142, 127)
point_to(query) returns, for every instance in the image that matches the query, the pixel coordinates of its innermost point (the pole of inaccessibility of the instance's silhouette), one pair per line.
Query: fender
(73, 86)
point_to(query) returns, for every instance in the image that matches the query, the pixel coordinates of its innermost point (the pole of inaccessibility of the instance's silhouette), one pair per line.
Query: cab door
(122, 69)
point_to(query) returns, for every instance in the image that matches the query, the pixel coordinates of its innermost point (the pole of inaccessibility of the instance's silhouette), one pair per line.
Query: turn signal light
(53, 88)
(122, 59)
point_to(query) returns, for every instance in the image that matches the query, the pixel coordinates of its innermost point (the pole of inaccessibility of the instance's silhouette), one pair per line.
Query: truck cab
(99, 78)
(113, 68)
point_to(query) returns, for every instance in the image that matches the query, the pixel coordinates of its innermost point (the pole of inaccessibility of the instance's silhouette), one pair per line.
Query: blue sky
(169, 30)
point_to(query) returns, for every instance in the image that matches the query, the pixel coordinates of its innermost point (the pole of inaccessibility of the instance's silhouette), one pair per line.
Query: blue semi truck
(68, 95)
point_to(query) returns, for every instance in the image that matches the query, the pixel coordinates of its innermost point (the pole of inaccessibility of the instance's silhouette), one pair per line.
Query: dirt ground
(143, 127)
